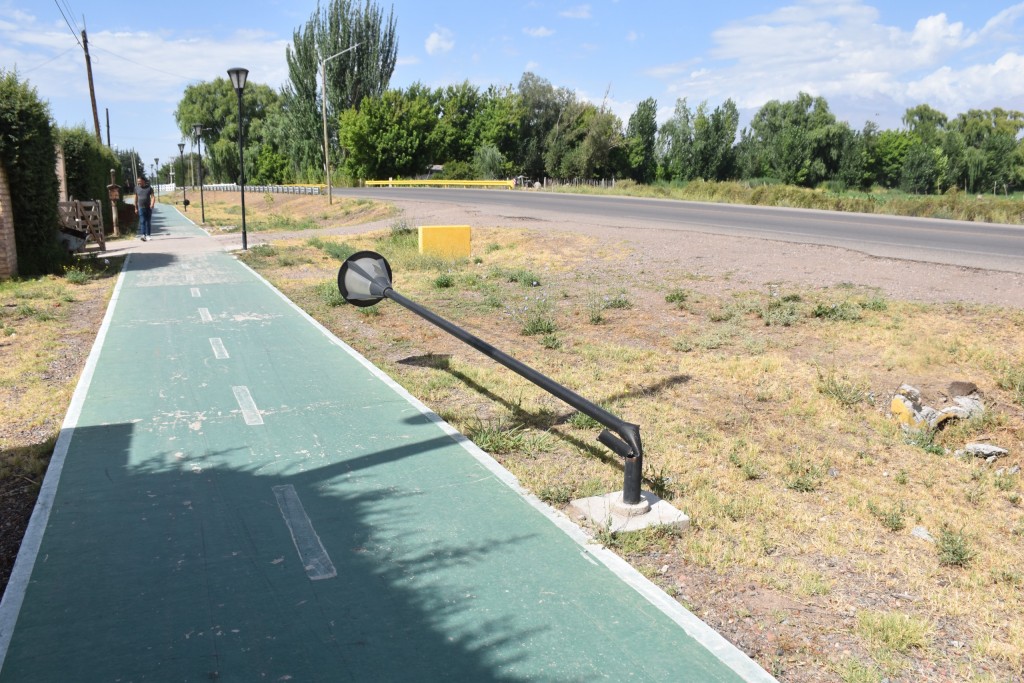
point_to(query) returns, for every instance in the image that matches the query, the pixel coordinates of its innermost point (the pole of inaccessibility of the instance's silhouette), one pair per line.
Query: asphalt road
(988, 246)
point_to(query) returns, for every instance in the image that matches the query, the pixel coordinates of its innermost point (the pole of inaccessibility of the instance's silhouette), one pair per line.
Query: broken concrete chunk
(959, 388)
(922, 533)
(984, 450)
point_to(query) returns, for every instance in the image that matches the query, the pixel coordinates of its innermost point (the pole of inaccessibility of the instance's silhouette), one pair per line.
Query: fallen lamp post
(365, 279)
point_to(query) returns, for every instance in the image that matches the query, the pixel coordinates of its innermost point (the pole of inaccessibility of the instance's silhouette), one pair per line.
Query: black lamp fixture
(156, 172)
(238, 77)
(181, 155)
(197, 132)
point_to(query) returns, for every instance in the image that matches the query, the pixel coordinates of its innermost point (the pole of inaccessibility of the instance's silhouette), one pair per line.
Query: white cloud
(577, 12)
(440, 41)
(840, 49)
(539, 32)
(531, 66)
(632, 36)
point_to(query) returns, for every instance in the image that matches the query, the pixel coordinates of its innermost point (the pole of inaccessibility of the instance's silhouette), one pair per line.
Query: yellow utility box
(449, 241)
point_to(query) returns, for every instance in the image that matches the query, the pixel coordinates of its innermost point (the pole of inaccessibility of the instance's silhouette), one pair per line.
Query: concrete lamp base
(609, 512)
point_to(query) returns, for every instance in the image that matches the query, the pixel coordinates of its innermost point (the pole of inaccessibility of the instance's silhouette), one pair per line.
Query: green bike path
(236, 495)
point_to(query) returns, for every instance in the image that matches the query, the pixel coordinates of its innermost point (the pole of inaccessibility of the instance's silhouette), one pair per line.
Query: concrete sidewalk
(237, 495)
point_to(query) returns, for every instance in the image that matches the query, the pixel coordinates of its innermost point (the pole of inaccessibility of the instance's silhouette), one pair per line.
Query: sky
(870, 59)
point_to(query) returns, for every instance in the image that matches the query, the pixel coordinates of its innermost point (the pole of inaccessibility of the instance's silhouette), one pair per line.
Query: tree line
(537, 130)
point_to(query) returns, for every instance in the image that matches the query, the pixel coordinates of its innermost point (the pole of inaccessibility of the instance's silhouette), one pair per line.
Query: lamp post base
(611, 513)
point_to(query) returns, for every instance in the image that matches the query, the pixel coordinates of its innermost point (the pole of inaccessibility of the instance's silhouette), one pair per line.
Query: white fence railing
(274, 189)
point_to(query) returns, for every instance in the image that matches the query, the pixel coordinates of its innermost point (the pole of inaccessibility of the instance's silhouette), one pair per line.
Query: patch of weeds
(954, 548)
(781, 312)
(847, 311)
(1011, 378)
(682, 344)
(893, 518)
(492, 247)
(655, 538)
(618, 301)
(925, 440)
(813, 584)
(263, 251)
(875, 303)
(805, 476)
(677, 296)
(444, 281)
(893, 631)
(538, 319)
(659, 481)
(839, 389)
(477, 260)
(369, 311)
(902, 478)
(493, 300)
(401, 229)
(595, 311)
(746, 465)
(1007, 577)
(722, 314)
(582, 421)
(327, 292)
(497, 437)
(556, 494)
(78, 276)
(551, 341)
(525, 277)
(714, 339)
(855, 671)
(339, 250)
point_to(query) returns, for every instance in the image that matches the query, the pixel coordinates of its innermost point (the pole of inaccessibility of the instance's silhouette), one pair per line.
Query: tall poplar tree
(362, 72)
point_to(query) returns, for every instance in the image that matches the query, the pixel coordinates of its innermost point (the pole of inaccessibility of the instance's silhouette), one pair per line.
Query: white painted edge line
(712, 640)
(14, 596)
(220, 352)
(249, 410)
(195, 293)
(204, 315)
(312, 553)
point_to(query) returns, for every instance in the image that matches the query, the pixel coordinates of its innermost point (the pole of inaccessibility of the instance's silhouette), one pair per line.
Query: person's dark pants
(145, 221)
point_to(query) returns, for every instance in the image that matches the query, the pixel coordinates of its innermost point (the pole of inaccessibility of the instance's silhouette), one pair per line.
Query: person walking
(144, 202)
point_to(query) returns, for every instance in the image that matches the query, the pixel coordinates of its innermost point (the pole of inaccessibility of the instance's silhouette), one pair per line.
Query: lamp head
(364, 278)
(197, 129)
(238, 77)
(181, 148)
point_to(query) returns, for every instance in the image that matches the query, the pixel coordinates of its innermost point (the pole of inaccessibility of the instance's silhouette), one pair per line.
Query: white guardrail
(274, 189)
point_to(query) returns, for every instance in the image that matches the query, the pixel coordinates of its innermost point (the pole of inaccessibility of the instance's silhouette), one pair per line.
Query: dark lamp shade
(238, 76)
(364, 277)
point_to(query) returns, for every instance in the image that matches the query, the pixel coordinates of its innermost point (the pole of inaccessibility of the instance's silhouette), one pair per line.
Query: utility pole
(92, 90)
(108, 125)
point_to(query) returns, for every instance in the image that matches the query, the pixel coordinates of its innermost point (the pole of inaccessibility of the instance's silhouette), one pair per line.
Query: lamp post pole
(156, 172)
(197, 131)
(181, 155)
(323, 101)
(238, 77)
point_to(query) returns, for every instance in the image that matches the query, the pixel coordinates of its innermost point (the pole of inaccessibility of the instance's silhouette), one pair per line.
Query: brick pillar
(8, 250)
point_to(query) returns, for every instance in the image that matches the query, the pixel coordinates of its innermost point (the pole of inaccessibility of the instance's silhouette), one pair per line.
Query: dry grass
(764, 417)
(954, 204)
(47, 326)
(266, 212)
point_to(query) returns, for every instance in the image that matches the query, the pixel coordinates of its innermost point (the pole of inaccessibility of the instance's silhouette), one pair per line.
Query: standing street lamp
(197, 131)
(238, 76)
(181, 155)
(156, 169)
(327, 155)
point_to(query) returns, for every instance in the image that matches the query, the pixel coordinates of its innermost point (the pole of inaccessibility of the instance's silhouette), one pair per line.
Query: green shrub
(27, 152)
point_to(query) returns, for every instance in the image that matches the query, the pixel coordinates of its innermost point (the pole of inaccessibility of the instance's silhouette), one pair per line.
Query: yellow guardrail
(508, 184)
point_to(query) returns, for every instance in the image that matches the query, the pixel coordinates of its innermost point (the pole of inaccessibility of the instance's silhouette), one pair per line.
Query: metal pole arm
(626, 445)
